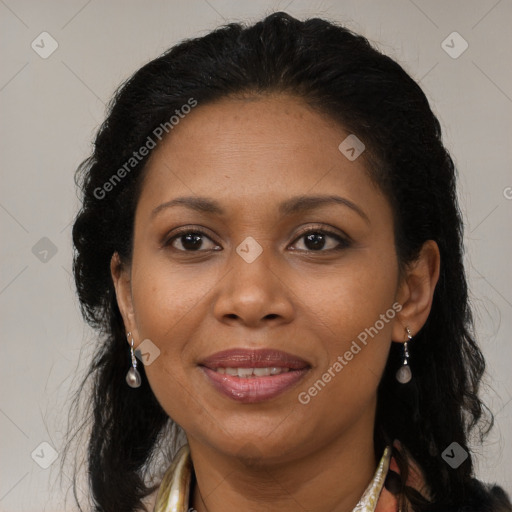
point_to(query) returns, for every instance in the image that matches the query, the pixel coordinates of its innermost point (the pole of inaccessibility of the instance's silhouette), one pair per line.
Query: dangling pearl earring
(133, 376)
(404, 374)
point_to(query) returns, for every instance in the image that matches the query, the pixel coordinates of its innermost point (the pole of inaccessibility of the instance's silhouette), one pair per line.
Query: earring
(133, 376)
(404, 374)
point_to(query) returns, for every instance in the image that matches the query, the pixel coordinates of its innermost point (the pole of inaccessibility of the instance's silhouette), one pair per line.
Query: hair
(338, 73)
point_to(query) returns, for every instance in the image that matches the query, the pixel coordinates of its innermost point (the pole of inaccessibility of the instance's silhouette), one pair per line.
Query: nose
(254, 291)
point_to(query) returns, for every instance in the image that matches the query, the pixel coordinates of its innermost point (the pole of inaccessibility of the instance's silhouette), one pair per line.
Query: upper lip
(247, 358)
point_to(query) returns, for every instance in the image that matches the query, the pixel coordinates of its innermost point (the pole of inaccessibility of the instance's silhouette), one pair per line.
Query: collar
(173, 493)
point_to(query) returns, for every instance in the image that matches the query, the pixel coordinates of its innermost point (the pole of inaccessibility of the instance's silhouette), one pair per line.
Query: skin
(250, 154)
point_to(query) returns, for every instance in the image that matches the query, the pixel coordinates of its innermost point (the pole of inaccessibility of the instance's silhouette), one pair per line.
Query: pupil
(317, 240)
(192, 241)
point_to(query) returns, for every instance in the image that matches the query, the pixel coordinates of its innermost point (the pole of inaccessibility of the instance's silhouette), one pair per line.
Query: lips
(253, 375)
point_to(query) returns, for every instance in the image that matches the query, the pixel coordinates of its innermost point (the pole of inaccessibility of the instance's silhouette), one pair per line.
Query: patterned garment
(175, 487)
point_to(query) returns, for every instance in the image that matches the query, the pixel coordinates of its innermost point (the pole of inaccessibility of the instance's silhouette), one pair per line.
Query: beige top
(175, 487)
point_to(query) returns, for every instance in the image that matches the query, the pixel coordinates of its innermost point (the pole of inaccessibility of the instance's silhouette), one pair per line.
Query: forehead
(260, 149)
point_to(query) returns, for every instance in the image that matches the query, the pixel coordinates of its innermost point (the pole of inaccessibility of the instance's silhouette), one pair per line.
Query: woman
(271, 248)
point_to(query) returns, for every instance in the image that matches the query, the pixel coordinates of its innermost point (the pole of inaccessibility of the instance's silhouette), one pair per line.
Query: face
(287, 288)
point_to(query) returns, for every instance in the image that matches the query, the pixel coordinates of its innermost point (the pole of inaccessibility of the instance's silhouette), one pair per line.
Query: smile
(251, 376)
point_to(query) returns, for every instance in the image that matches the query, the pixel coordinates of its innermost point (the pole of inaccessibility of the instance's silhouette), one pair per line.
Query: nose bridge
(252, 264)
(250, 250)
(253, 290)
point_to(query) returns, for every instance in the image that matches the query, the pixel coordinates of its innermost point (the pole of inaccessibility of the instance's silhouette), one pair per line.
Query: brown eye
(190, 241)
(321, 240)
(315, 240)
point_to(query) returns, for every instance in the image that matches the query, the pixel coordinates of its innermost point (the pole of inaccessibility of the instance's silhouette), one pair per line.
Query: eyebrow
(289, 207)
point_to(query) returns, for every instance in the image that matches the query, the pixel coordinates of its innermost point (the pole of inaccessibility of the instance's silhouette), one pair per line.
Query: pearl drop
(133, 378)
(404, 374)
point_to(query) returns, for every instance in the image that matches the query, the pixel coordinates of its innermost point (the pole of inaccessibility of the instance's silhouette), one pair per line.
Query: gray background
(52, 106)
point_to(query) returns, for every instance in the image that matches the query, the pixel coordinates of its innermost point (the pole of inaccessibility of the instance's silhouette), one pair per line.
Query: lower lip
(253, 389)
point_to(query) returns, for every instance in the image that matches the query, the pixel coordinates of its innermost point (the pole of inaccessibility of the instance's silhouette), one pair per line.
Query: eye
(191, 240)
(315, 240)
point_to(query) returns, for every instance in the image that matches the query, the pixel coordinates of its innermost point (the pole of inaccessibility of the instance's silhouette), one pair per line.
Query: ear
(416, 291)
(122, 284)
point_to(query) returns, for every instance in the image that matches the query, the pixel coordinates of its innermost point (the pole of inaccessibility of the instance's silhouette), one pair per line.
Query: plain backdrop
(52, 105)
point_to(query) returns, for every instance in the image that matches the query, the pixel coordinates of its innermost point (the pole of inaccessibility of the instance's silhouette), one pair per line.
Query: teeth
(252, 372)
(244, 372)
(261, 372)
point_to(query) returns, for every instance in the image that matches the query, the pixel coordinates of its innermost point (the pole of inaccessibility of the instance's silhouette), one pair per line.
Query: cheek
(165, 293)
(356, 304)
(170, 302)
(354, 297)
(166, 315)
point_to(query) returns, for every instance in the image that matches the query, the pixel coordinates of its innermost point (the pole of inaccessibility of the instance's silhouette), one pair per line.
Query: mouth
(253, 375)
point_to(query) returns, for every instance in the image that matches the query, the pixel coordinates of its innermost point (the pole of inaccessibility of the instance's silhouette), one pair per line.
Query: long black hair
(341, 75)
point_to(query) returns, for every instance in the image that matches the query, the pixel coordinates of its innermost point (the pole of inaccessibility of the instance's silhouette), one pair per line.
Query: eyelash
(344, 242)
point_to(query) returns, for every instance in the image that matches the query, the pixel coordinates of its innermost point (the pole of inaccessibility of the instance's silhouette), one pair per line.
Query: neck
(331, 477)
